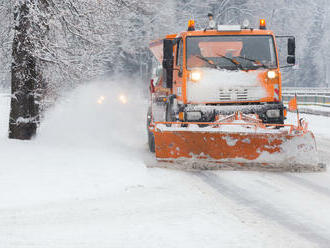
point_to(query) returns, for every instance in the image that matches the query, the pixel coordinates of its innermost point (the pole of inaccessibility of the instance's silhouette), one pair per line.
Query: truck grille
(233, 95)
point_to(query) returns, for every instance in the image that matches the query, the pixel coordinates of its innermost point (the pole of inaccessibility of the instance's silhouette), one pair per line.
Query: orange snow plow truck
(216, 103)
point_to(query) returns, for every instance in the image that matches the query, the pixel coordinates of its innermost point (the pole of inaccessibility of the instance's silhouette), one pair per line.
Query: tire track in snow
(307, 184)
(266, 210)
(323, 149)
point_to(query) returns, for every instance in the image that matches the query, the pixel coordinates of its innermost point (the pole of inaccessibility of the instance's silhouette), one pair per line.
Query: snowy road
(83, 183)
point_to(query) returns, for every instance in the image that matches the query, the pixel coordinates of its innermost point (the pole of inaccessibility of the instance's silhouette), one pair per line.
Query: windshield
(248, 52)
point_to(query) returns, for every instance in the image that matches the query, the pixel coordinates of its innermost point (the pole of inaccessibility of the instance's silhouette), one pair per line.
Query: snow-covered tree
(6, 13)
(30, 32)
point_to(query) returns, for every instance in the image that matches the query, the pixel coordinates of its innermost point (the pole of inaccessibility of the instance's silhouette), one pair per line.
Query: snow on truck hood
(223, 85)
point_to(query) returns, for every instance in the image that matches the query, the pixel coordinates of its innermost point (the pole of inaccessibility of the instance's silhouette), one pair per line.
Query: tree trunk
(26, 72)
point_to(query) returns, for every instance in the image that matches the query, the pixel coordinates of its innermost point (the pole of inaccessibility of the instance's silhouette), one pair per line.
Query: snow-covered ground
(83, 183)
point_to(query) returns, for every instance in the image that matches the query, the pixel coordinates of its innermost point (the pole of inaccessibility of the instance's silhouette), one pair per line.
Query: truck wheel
(151, 142)
(151, 137)
(169, 114)
(149, 118)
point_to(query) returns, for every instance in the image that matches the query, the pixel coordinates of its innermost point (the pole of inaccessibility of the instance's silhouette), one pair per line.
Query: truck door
(178, 70)
(168, 63)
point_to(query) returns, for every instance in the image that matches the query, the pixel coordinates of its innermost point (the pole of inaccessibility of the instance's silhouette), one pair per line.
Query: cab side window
(179, 58)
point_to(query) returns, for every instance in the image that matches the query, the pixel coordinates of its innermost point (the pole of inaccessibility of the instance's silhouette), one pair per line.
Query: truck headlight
(273, 113)
(246, 24)
(271, 74)
(196, 76)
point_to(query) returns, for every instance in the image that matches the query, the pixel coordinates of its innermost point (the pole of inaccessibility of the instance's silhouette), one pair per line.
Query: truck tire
(169, 114)
(151, 142)
(151, 137)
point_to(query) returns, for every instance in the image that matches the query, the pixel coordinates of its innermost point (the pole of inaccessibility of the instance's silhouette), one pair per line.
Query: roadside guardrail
(309, 99)
(308, 96)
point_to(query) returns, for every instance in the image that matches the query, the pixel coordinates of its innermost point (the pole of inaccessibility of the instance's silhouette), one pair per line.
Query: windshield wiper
(216, 66)
(233, 61)
(207, 61)
(254, 61)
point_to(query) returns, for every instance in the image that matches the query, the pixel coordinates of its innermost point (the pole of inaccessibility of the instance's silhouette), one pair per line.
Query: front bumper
(209, 112)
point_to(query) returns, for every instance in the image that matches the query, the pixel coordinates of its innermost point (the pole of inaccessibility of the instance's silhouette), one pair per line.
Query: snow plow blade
(255, 148)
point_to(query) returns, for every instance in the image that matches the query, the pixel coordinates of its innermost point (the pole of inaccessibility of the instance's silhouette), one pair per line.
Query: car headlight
(196, 76)
(123, 98)
(271, 74)
(273, 113)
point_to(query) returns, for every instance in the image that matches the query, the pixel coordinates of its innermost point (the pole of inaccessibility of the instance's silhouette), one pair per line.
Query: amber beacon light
(191, 25)
(262, 24)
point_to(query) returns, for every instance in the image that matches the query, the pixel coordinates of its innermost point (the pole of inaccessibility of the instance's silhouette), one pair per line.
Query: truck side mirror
(291, 60)
(168, 62)
(292, 46)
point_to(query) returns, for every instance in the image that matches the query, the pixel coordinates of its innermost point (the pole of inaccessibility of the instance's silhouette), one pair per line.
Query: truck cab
(219, 72)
